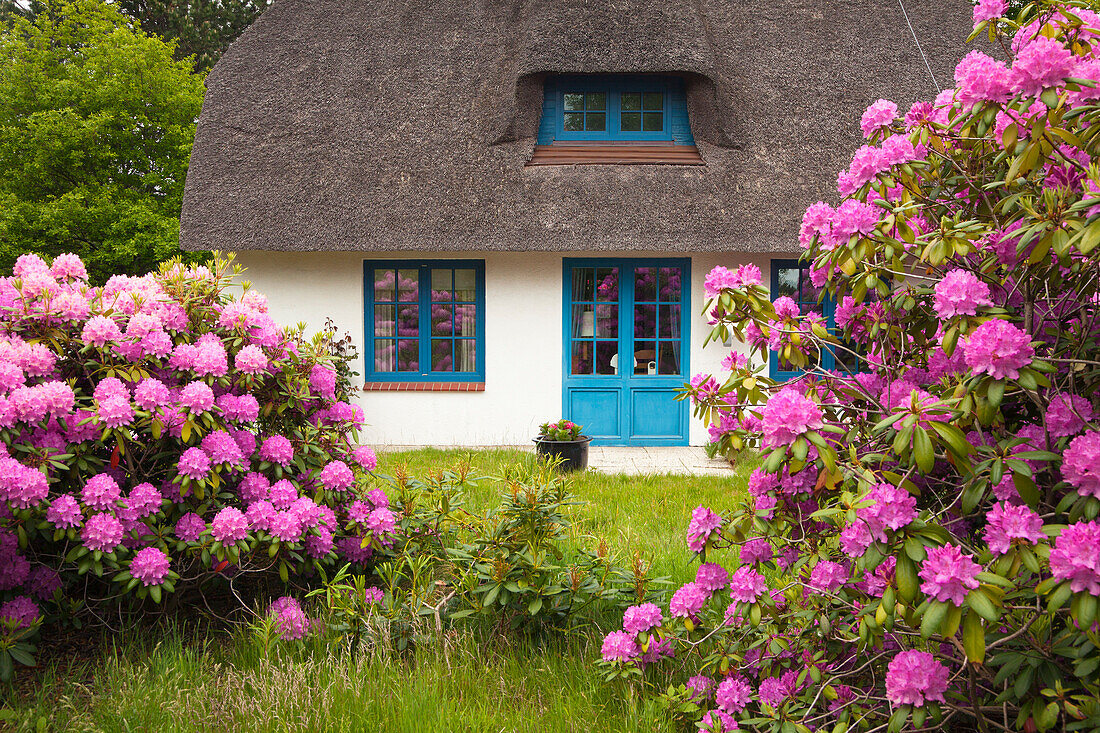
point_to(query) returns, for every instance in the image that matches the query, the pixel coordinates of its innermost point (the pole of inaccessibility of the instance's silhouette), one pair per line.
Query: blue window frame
(615, 108)
(425, 320)
(792, 279)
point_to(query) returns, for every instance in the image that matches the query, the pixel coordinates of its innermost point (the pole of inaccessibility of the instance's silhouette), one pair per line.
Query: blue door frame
(626, 408)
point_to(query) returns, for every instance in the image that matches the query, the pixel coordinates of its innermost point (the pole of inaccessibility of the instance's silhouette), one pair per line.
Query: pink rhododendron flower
(68, 266)
(1076, 557)
(194, 463)
(998, 348)
(756, 550)
(619, 646)
(322, 381)
(290, 620)
(948, 574)
(222, 449)
(229, 526)
(197, 397)
(980, 78)
(365, 457)
(259, 514)
(286, 527)
(151, 394)
(733, 694)
(250, 360)
(1007, 522)
(960, 293)
(787, 415)
(914, 678)
(99, 330)
(828, 576)
(254, 486)
(644, 617)
(102, 532)
(336, 476)
(747, 585)
(381, 522)
(282, 494)
(64, 512)
(1068, 415)
(1081, 464)
(988, 10)
(719, 721)
(688, 600)
(700, 686)
(703, 524)
(277, 449)
(150, 565)
(22, 610)
(1040, 64)
(711, 577)
(101, 492)
(878, 115)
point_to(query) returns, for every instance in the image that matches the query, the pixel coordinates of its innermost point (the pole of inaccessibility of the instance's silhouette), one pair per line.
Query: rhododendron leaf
(1026, 488)
(1083, 609)
(995, 392)
(973, 637)
(922, 450)
(154, 593)
(906, 574)
(933, 617)
(898, 719)
(980, 603)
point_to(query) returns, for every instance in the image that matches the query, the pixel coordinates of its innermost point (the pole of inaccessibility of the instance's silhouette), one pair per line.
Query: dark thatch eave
(406, 124)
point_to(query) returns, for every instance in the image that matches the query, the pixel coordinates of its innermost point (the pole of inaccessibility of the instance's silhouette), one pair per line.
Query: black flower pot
(573, 453)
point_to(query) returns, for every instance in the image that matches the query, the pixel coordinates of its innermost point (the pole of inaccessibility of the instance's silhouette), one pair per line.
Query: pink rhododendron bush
(920, 548)
(160, 435)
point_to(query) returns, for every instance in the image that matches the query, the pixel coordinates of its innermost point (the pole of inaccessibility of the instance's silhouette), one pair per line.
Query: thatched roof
(406, 124)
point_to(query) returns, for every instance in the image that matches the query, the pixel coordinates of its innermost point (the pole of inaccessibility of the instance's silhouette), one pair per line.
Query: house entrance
(626, 346)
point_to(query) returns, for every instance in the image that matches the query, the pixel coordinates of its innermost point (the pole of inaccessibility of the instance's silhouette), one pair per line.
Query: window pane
(383, 320)
(442, 319)
(595, 121)
(574, 101)
(645, 352)
(574, 121)
(645, 284)
(465, 285)
(668, 359)
(653, 100)
(645, 321)
(441, 284)
(465, 320)
(607, 321)
(606, 353)
(383, 355)
(595, 100)
(465, 355)
(584, 322)
(670, 322)
(383, 286)
(442, 360)
(407, 285)
(584, 284)
(582, 357)
(632, 100)
(788, 282)
(408, 321)
(653, 121)
(607, 284)
(631, 122)
(670, 284)
(408, 356)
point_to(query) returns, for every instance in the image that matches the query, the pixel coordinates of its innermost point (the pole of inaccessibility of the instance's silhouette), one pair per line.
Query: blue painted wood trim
(828, 310)
(628, 382)
(424, 291)
(677, 126)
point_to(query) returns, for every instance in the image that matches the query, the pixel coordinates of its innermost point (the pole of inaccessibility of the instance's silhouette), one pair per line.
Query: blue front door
(626, 345)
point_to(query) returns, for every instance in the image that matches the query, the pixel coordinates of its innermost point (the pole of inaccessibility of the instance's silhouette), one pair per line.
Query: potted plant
(563, 440)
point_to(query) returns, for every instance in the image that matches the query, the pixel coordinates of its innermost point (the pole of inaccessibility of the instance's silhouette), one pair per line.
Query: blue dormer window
(614, 108)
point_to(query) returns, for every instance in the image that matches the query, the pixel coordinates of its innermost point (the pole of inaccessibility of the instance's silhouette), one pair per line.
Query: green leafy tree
(96, 125)
(200, 28)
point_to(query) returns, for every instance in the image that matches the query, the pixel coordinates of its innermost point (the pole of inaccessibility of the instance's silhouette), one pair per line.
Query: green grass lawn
(469, 679)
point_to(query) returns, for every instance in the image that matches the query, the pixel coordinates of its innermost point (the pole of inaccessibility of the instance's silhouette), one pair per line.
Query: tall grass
(468, 678)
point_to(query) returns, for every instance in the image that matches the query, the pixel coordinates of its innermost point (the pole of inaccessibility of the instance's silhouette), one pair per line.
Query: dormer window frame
(614, 88)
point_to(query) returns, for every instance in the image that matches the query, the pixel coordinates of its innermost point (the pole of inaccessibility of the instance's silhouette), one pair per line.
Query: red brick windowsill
(424, 387)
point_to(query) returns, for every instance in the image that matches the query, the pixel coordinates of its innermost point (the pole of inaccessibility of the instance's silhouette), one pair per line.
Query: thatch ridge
(405, 124)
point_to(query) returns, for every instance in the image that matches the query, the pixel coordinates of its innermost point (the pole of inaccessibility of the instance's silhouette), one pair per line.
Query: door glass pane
(645, 357)
(465, 355)
(670, 322)
(583, 284)
(670, 284)
(631, 122)
(441, 355)
(383, 320)
(653, 100)
(595, 122)
(607, 321)
(442, 322)
(383, 286)
(408, 323)
(631, 101)
(645, 284)
(574, 122)
(465, 285)
(607, 284)
(465, 320)
(645, 321)
(441, 284)
(595, 100)
(408, 289)
(653, 121)
(408, 356)
(581, 360)
(668, 358)
(383, 355)
(584, 321)
(787, 282)
(574, 101)
(606, 353)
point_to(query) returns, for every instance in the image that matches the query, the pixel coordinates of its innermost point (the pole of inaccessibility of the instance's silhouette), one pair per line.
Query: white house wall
(523, 339)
